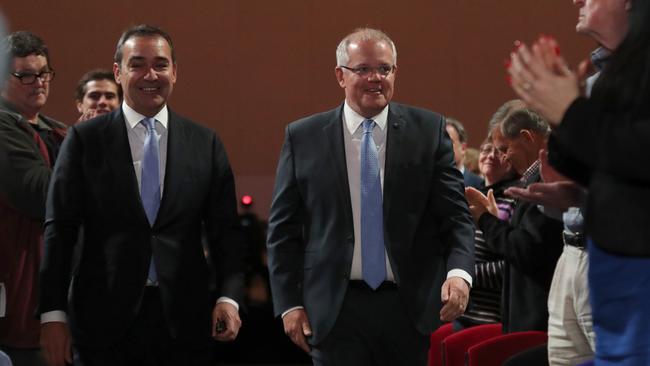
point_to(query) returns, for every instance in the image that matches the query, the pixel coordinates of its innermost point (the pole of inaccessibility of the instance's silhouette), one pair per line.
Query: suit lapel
(333, 131)
(174, 167)
(395, 129)
(121, 162)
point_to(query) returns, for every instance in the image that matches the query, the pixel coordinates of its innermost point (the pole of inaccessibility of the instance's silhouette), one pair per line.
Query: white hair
(358, 35)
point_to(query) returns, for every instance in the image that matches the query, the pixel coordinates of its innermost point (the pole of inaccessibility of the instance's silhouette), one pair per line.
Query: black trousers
(147, 343)
(372, 329)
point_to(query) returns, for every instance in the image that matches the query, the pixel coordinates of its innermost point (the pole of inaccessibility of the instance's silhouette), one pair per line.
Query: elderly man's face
(101, 95)
(513, 150)
(147, 74)
(28, 99)
(603, 20)
(368, 95)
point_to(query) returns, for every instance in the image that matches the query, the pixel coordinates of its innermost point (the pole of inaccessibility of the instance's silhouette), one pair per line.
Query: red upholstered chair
(435, 349)
(493, 352)
(455, 346)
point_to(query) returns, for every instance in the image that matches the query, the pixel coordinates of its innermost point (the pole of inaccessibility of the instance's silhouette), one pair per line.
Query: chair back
(493, 352)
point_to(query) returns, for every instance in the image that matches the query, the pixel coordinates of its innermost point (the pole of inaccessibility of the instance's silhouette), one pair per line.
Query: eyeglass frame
(370, 70)
(41, 75)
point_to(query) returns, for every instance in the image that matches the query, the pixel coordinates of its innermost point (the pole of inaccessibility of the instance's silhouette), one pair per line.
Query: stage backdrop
(246, 68)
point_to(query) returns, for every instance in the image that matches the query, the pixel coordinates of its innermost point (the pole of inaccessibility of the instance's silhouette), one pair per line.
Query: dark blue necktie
(373, 255)
(150, 180)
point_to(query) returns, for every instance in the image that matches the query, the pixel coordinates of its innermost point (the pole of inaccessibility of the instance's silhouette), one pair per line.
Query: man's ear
(527, 135)
(116, 72)
(338, 71)
(79, 104)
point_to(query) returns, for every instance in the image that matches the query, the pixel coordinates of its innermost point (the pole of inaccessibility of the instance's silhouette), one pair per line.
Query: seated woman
(485, 295)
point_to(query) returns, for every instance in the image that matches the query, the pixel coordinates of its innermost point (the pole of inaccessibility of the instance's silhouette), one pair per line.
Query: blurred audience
(459, 137)
(530, 242)
(615, 116)
(29, 145)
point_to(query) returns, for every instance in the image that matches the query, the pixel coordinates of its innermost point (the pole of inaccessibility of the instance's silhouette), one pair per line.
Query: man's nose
(151, 74)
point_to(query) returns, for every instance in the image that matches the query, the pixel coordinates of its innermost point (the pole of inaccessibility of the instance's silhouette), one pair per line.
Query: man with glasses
(29, 145)
(370, 239)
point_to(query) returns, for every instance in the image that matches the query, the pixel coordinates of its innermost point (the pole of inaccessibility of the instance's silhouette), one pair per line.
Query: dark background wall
(246, 68)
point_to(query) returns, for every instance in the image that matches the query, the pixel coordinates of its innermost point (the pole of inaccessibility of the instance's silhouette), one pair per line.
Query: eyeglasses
(366, 71)
(489, 149)
(28, 78)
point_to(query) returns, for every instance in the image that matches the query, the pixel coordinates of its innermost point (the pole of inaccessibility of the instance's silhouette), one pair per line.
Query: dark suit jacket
(472, 180)
(427, 226)
(531, 244)
(94, 185)
(607, 151)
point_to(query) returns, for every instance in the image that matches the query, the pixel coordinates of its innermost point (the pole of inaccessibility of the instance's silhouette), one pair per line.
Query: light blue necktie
(150, 180)
(373, 256)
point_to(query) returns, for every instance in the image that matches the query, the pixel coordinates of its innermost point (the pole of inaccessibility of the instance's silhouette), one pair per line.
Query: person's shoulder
(317, 120)
(415, 114)
(53, 123)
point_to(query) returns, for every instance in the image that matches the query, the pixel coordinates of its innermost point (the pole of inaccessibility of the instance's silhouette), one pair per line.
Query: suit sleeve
(611, 143)
(285, 243)
(24, 175)
(62, 221)
(532, 246)
(227, 247)
(448, 193)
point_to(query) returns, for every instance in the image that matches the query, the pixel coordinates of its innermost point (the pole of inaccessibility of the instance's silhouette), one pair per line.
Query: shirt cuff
(229, 301)
(54, 316)
(457, 272)
(292, 309)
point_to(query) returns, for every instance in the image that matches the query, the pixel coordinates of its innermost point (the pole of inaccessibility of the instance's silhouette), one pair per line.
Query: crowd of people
(121, 243)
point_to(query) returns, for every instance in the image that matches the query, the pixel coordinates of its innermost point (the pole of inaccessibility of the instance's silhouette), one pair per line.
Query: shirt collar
(532, 169)
(599, 57)
(133, 118)
(353, 119)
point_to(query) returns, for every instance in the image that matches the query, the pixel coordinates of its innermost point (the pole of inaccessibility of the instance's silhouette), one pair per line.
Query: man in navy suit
(370, 238)
(144, 183)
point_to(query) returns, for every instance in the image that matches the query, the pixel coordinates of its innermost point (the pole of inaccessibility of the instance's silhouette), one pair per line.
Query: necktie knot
(368, 125)
(150, 124)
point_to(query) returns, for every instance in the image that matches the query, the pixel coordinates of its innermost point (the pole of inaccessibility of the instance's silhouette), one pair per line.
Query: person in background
(458, 136)
(600, 141)
(97, 93)
(29, 146)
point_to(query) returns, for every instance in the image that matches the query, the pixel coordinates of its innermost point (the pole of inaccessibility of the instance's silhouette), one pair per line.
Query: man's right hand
(56, 343)
(296, 326)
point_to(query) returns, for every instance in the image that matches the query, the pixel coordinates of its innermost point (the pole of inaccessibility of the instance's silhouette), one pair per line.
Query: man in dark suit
(368, 220)
(142, 181)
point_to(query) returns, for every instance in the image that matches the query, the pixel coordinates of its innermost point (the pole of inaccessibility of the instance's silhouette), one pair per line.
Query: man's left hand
(454, 296)
(227, 313)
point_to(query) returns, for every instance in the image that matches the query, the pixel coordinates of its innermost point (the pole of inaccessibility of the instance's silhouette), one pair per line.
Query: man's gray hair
(362, 34)
(524, 119)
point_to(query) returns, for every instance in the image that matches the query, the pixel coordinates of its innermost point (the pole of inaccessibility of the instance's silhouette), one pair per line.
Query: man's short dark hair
(142, 30)
(92, 75)
(524, 119)
(460, 129)
(24, 43)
